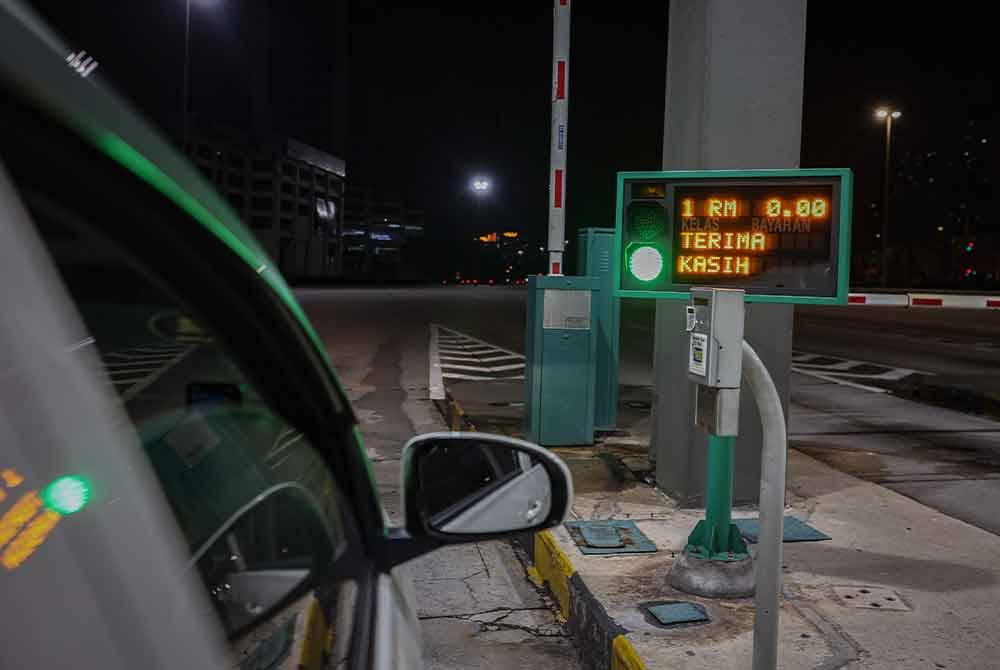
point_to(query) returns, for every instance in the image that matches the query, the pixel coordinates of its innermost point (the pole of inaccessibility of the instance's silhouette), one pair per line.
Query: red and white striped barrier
(893, 299)
(925, 300)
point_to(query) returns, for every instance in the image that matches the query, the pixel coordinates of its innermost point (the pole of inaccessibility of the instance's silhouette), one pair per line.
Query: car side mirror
(464, 487)
(268, 554)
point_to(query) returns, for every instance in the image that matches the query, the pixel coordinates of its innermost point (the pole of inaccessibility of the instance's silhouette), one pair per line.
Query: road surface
(846, 359)
(476, 606)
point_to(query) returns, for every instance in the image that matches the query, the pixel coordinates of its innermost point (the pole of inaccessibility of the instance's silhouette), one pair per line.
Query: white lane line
(143, 363)
(454, 355)
(502, 368)
(435, 383)
(139, 373)
(475, 378)
(480, 368)
(835, 380)
(143, 383)
(471, 368)
(141, 357)
(485, 344)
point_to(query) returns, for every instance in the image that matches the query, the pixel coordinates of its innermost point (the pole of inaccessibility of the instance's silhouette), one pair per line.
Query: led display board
(781, 235)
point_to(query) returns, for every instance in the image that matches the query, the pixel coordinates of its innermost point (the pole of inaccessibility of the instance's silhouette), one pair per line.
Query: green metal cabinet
(560, 346)
(595, 249)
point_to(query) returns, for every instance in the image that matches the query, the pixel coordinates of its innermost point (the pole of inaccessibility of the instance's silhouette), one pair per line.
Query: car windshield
(214, 443)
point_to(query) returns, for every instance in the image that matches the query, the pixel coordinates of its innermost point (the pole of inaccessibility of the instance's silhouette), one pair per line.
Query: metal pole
(772, 510)
(557, 148)
(885, 201)
(719, 493)
(187, 40)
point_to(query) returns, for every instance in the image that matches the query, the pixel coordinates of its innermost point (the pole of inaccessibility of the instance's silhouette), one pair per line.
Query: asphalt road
(949, 460)
(477, 608)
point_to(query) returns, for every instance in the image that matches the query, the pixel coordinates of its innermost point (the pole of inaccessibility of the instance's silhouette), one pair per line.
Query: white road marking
(144, 383)
(435, 383)
(131, 370)
(828, 378)
(844, 371)
(455, 355)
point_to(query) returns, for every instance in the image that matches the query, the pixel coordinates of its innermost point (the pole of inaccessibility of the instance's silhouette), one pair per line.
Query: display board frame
(840, 223)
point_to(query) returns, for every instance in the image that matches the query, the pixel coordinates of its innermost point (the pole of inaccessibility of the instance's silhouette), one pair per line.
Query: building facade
(290, 194)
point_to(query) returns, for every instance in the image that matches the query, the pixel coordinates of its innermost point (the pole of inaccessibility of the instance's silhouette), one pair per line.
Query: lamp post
(480, 189)
(187, 49)
(187, 61)
(888, 115)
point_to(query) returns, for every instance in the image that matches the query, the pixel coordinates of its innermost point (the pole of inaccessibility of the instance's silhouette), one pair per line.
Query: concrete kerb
(600, 641)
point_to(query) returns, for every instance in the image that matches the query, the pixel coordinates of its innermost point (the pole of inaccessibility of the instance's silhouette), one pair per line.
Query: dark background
(419, 97)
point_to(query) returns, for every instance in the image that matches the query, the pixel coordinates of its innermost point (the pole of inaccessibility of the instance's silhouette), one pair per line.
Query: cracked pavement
(476, 607)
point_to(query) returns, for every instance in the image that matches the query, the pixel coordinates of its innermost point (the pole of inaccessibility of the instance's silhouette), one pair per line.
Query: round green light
(66, 495)
(645, 263)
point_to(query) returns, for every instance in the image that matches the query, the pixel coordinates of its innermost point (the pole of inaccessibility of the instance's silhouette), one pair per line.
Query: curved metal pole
(772, 509)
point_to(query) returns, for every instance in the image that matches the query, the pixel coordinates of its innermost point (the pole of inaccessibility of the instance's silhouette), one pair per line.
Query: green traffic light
(66, 495)
(645, 263)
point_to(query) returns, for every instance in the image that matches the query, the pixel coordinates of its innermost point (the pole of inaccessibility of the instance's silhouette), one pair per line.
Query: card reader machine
(715, 356)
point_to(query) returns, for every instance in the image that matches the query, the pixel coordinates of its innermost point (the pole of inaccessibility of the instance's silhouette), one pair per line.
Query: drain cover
(794, 530)
(602, 536)
(609, 537)
(870, 598)
(673, 614)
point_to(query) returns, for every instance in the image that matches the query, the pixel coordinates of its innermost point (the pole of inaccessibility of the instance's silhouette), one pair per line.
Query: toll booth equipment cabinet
(560, 345)
(595, 255)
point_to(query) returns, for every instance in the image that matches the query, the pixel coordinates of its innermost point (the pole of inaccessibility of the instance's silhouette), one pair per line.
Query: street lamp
(887, 115)
(480, 186)
(187, 57)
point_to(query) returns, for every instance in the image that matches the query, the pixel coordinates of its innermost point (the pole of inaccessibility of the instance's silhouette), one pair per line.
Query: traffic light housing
(645, 245)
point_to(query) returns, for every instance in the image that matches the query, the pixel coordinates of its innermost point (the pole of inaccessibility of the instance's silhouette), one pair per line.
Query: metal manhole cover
(677, 613)
(870, 598)
(609, 536)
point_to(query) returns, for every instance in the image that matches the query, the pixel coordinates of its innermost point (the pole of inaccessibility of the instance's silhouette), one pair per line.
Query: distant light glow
(896, 115)
(480, 185)
(881, 113)
(66, 495)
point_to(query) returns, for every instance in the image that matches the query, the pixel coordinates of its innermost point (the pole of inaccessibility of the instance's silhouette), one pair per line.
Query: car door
(229, 410)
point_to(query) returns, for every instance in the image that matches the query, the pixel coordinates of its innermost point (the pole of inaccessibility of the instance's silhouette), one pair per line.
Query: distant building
(290, 194)
(382, 238)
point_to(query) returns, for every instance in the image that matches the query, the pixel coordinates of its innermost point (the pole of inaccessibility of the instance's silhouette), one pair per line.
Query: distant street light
(480, 186)
(187, 57)
(888, 115)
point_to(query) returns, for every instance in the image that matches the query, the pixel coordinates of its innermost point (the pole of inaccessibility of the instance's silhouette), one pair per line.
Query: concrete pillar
(734, 100)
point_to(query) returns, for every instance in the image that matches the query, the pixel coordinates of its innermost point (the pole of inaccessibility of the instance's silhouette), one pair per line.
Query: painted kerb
(600, 641)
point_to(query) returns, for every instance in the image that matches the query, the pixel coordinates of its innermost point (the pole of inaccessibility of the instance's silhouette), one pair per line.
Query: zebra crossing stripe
(131, 370)
(455, 355)
(849, 372)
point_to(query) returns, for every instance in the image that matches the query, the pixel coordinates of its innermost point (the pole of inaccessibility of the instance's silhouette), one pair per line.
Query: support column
(734, 100)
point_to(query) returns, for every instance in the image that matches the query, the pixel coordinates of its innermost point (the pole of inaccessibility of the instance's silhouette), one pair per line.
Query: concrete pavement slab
(384, 369)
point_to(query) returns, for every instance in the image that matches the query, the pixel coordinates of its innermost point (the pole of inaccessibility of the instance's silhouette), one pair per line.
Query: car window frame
(223, 292)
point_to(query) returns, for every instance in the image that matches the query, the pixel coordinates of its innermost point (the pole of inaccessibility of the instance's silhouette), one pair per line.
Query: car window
(261, 512)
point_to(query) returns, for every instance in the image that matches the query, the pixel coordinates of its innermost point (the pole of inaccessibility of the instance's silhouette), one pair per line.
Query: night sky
(438, 92)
